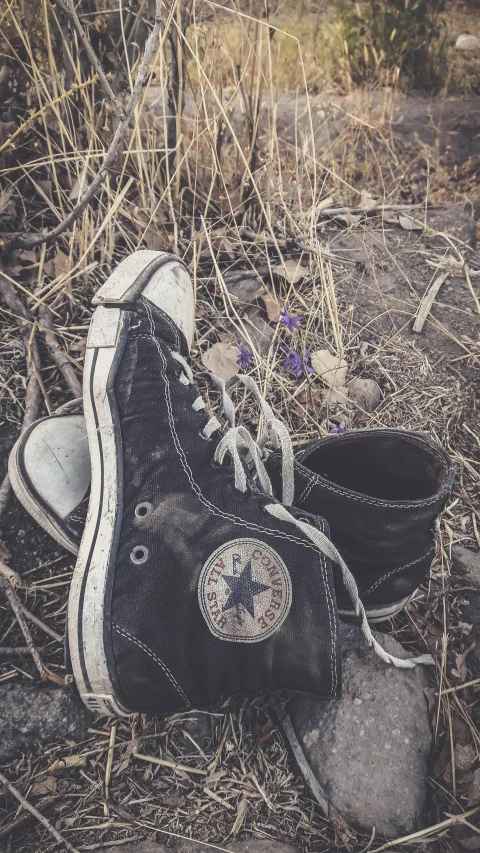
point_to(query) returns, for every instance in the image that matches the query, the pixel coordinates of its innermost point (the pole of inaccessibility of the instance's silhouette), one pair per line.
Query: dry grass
(238, 192)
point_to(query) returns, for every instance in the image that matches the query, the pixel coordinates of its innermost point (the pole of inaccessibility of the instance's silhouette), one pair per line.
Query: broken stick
(38, 815)
(427, 302)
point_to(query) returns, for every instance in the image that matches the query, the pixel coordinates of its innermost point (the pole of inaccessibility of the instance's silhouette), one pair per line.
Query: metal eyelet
(143, 509)
(139, 554)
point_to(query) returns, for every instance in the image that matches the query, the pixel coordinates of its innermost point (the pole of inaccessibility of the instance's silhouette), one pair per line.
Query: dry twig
(16, 606)
(38, 815)
(57, 353)
(427, 302)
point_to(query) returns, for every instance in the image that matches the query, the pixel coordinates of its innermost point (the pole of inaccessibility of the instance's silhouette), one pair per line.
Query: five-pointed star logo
(243, 588)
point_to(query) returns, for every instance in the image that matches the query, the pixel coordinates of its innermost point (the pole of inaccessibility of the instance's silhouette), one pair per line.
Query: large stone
(467, 564)
(365, 393)
(370, 748)
(31, 715)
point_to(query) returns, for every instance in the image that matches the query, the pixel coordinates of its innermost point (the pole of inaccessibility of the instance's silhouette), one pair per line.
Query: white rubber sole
(87, 618)
(33, 507)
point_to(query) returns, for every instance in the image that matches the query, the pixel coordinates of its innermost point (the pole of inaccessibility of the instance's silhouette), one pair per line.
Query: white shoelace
(242, 448)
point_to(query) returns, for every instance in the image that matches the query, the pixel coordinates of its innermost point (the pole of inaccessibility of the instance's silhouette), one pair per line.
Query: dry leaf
(221, 360)
(241, 815)
(64, 822)
(45, 187)
(46, 786)
(246, 290)
(331, 369)
(260, 332)
(5, 205)
(49, 268)
(389, 216)
(461, 662)
(271, 304)
(68, 761)
(347, 218)
(62, 264)
(325, 203)
(79, 346)
(465, 756)
(28, 256)
(474, 796)
(366, 200)
(75, 191)
(221, 245)
(409, 223)
(290, 270)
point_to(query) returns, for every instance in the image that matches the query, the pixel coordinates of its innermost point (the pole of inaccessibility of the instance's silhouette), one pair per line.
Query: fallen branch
(29, 241)
(25, 818)
(163, 762)
(16, 606)
(57, 353)
(377, 208)
(311, 781)
(38, 815)
(32, 618)
(68, 10)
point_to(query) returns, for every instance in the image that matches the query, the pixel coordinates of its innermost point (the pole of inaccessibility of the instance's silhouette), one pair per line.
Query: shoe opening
(389, 467)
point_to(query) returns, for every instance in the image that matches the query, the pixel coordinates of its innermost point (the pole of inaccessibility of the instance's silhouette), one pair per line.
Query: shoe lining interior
(391, 469)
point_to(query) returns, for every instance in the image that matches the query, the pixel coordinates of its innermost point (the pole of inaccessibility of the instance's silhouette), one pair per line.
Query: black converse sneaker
(380, 491)
(191, 582)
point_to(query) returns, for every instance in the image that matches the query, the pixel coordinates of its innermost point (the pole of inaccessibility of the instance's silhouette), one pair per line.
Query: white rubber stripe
(103, 504)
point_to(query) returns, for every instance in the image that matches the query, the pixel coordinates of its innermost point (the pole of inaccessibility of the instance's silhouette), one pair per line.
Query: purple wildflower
(292, 323)
(339, 430)
(298, 362)
(245, 358)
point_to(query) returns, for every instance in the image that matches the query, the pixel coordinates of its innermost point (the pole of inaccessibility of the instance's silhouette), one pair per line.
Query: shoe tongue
(170, 289)
(161, 324)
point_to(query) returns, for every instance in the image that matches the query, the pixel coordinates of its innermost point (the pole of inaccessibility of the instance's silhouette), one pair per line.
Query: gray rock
(369, 749)
(30, 715)
(250, 845)
(365, 392)
(467, 564)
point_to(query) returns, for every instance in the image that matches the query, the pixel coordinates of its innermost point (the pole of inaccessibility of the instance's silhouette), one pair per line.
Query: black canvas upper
(380, 491)
(162, 653)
